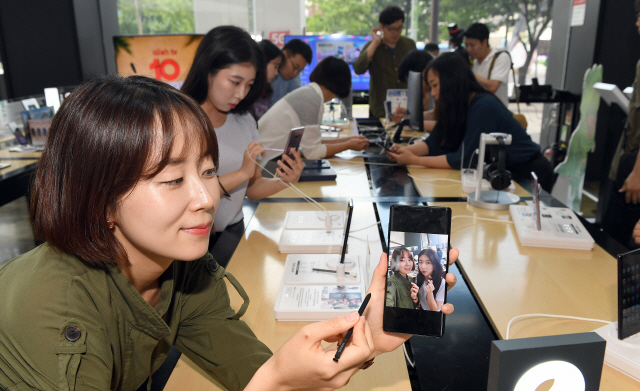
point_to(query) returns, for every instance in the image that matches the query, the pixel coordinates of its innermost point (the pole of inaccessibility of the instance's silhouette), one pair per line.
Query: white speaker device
(315, 232)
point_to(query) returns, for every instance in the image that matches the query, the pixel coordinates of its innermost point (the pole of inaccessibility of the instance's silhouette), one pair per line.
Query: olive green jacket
(399, 292)
(630, 139)
(383, 71)
(65, 325)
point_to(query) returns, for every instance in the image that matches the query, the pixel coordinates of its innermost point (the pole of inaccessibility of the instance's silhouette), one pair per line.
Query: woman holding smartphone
(400, 288)
(126, 186)
(464, 110)
(227, 76)
(304, 106)
(430, 295)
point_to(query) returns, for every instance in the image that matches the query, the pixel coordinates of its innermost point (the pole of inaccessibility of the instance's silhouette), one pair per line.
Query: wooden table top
(438, 182)
(5, 154)
(510, 280)
(16, 166)
(258, 265)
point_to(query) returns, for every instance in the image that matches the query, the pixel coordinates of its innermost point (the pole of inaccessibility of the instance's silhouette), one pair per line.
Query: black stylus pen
(347, 337)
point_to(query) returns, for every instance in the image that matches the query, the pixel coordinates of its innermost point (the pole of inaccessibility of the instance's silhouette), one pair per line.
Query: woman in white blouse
(430, 296)
(304, 106)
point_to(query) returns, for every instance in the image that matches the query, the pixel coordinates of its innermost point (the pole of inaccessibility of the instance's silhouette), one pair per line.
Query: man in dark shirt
(382, 56)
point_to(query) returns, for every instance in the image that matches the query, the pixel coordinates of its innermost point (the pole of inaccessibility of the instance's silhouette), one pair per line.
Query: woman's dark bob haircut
(109, 134)
(396, 256)
(221, 48)
(333, 74)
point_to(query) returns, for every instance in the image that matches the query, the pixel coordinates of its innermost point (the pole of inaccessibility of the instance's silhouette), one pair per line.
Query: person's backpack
(518, 116)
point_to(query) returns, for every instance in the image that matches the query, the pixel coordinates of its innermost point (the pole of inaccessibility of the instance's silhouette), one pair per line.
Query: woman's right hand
(429, 288)
(302, 362)
(249, 161)
(414, 292)
(358, 143)
(398, 115)
(394, 148)
(403, 156)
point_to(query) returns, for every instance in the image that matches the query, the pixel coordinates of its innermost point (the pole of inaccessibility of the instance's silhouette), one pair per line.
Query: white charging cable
(406, 355)
(434, 179)
(295, 189)
(551, 316)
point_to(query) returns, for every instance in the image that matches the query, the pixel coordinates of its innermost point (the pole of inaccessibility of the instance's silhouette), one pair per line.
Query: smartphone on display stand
(418, 262)
(628, 294)
(295, 136)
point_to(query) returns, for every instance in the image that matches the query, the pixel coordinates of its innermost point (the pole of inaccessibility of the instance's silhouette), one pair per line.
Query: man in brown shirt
(382, 56)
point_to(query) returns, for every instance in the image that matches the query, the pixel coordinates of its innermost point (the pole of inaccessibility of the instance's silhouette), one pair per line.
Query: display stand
(560, 228)
(621, 355)
(318, 287)
(492, 199)
(314, 232)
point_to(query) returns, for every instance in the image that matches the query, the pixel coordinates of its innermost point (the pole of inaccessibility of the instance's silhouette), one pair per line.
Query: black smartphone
(628, 294)
(384, 146)
(418, 262)
(295, 136)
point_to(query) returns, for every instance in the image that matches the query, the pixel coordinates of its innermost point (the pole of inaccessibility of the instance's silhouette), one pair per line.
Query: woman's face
(406, 263)
(425, 266)
(169, 216)
(434, 82)
(230, 85)
(272, 68)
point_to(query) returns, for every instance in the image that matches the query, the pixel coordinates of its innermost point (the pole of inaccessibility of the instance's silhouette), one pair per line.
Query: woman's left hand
(414, 292)
(384, 341)
(402, 156)
(290, 173)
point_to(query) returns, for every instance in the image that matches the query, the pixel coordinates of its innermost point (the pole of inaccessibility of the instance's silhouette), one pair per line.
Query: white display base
(468, 179)
(305, 295)
(4, 165)
(329, 135)
(560, 228)
(621, 355)
(315, 219)
(305, 241)
(299, 269)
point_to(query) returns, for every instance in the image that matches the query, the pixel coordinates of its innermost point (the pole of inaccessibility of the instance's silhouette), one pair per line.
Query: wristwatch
(366, 364)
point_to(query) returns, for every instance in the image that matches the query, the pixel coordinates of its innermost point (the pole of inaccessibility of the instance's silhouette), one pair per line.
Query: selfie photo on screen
(416, 271)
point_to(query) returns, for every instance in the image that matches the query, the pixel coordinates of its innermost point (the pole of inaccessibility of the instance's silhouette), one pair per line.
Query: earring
(111, 224)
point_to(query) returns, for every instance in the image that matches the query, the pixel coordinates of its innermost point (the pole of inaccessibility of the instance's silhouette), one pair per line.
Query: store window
(144, 17)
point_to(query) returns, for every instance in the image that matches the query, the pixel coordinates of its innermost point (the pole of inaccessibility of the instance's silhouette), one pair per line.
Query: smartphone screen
(628, 294)
(417, 264)
(295, 136)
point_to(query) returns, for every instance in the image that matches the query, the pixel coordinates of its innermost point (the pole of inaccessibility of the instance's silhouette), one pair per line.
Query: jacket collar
(141, 314)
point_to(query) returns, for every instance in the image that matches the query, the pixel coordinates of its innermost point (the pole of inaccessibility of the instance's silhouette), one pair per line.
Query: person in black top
(463, 111)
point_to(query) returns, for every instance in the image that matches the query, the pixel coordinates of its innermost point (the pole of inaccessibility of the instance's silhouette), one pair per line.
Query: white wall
(271, 15)
(211, 13)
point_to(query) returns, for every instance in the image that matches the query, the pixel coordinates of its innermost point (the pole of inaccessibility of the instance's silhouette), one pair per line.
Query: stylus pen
(327, 271)
(274, 150)
(347, 337)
